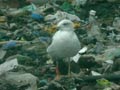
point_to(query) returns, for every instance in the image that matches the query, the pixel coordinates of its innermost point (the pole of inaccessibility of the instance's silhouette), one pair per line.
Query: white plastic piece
(109, 61)
(92, 12)
(95, 73)
(83, 50)
(49, 61)
(76, 58)
(8, 65)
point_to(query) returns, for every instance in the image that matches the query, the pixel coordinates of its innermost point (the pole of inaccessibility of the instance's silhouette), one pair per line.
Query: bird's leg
(57, 72)
(69, 68)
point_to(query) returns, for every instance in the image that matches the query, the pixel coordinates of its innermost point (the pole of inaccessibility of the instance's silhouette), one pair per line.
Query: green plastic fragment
(103, 82)
(67, 7)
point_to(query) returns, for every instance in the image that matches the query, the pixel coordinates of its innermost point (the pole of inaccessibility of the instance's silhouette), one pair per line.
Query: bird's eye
(65, 24)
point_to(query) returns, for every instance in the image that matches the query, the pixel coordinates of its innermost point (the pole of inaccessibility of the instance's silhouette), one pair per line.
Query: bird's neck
(67, 29)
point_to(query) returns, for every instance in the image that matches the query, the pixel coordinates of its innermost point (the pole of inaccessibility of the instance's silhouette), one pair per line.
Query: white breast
(64, 44)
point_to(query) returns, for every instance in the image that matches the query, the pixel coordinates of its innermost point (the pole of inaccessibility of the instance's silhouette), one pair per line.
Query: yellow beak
(76, 25)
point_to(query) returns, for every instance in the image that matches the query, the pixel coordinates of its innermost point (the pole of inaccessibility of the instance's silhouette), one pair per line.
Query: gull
(65, 43)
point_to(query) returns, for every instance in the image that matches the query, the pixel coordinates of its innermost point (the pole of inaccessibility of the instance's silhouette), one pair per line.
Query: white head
(65, 25)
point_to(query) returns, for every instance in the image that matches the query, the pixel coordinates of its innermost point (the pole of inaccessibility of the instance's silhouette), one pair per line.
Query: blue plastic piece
(37, 16)
(10, 44)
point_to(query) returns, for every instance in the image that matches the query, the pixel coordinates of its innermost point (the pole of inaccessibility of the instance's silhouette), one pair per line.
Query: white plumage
(65, 43)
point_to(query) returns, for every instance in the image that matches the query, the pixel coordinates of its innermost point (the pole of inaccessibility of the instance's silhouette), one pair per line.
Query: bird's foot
(69, 75)
(58, 77)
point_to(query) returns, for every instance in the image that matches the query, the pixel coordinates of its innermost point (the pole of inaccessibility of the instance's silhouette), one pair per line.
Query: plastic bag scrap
(22, 79)
(8, 65)
(22, 11)
(59, 15)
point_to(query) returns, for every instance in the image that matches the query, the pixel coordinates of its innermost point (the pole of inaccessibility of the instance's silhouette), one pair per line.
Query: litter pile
(26, 30)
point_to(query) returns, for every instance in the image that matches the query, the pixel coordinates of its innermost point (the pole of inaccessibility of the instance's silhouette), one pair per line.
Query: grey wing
(54, 44)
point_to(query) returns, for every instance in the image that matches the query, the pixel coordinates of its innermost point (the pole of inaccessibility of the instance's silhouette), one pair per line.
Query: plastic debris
(37, 17)
(76, 58)
(59, 15)
(16, 13)
(22, 79)
(116, 23)
(92, 12)
(111, 53)
(107, 85)
(2, 53)
(66, 6)
(10, 44)
(94, 30)
(22, 11)
(78, 55)
(79, 2)
(49, 62)
(45, 8)
(8, 65)
(95, 73)
(3, 19)
(103, 82)
(117, 38)
(30, 25)
(109, 62)
(83, 50)
(30, 8)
